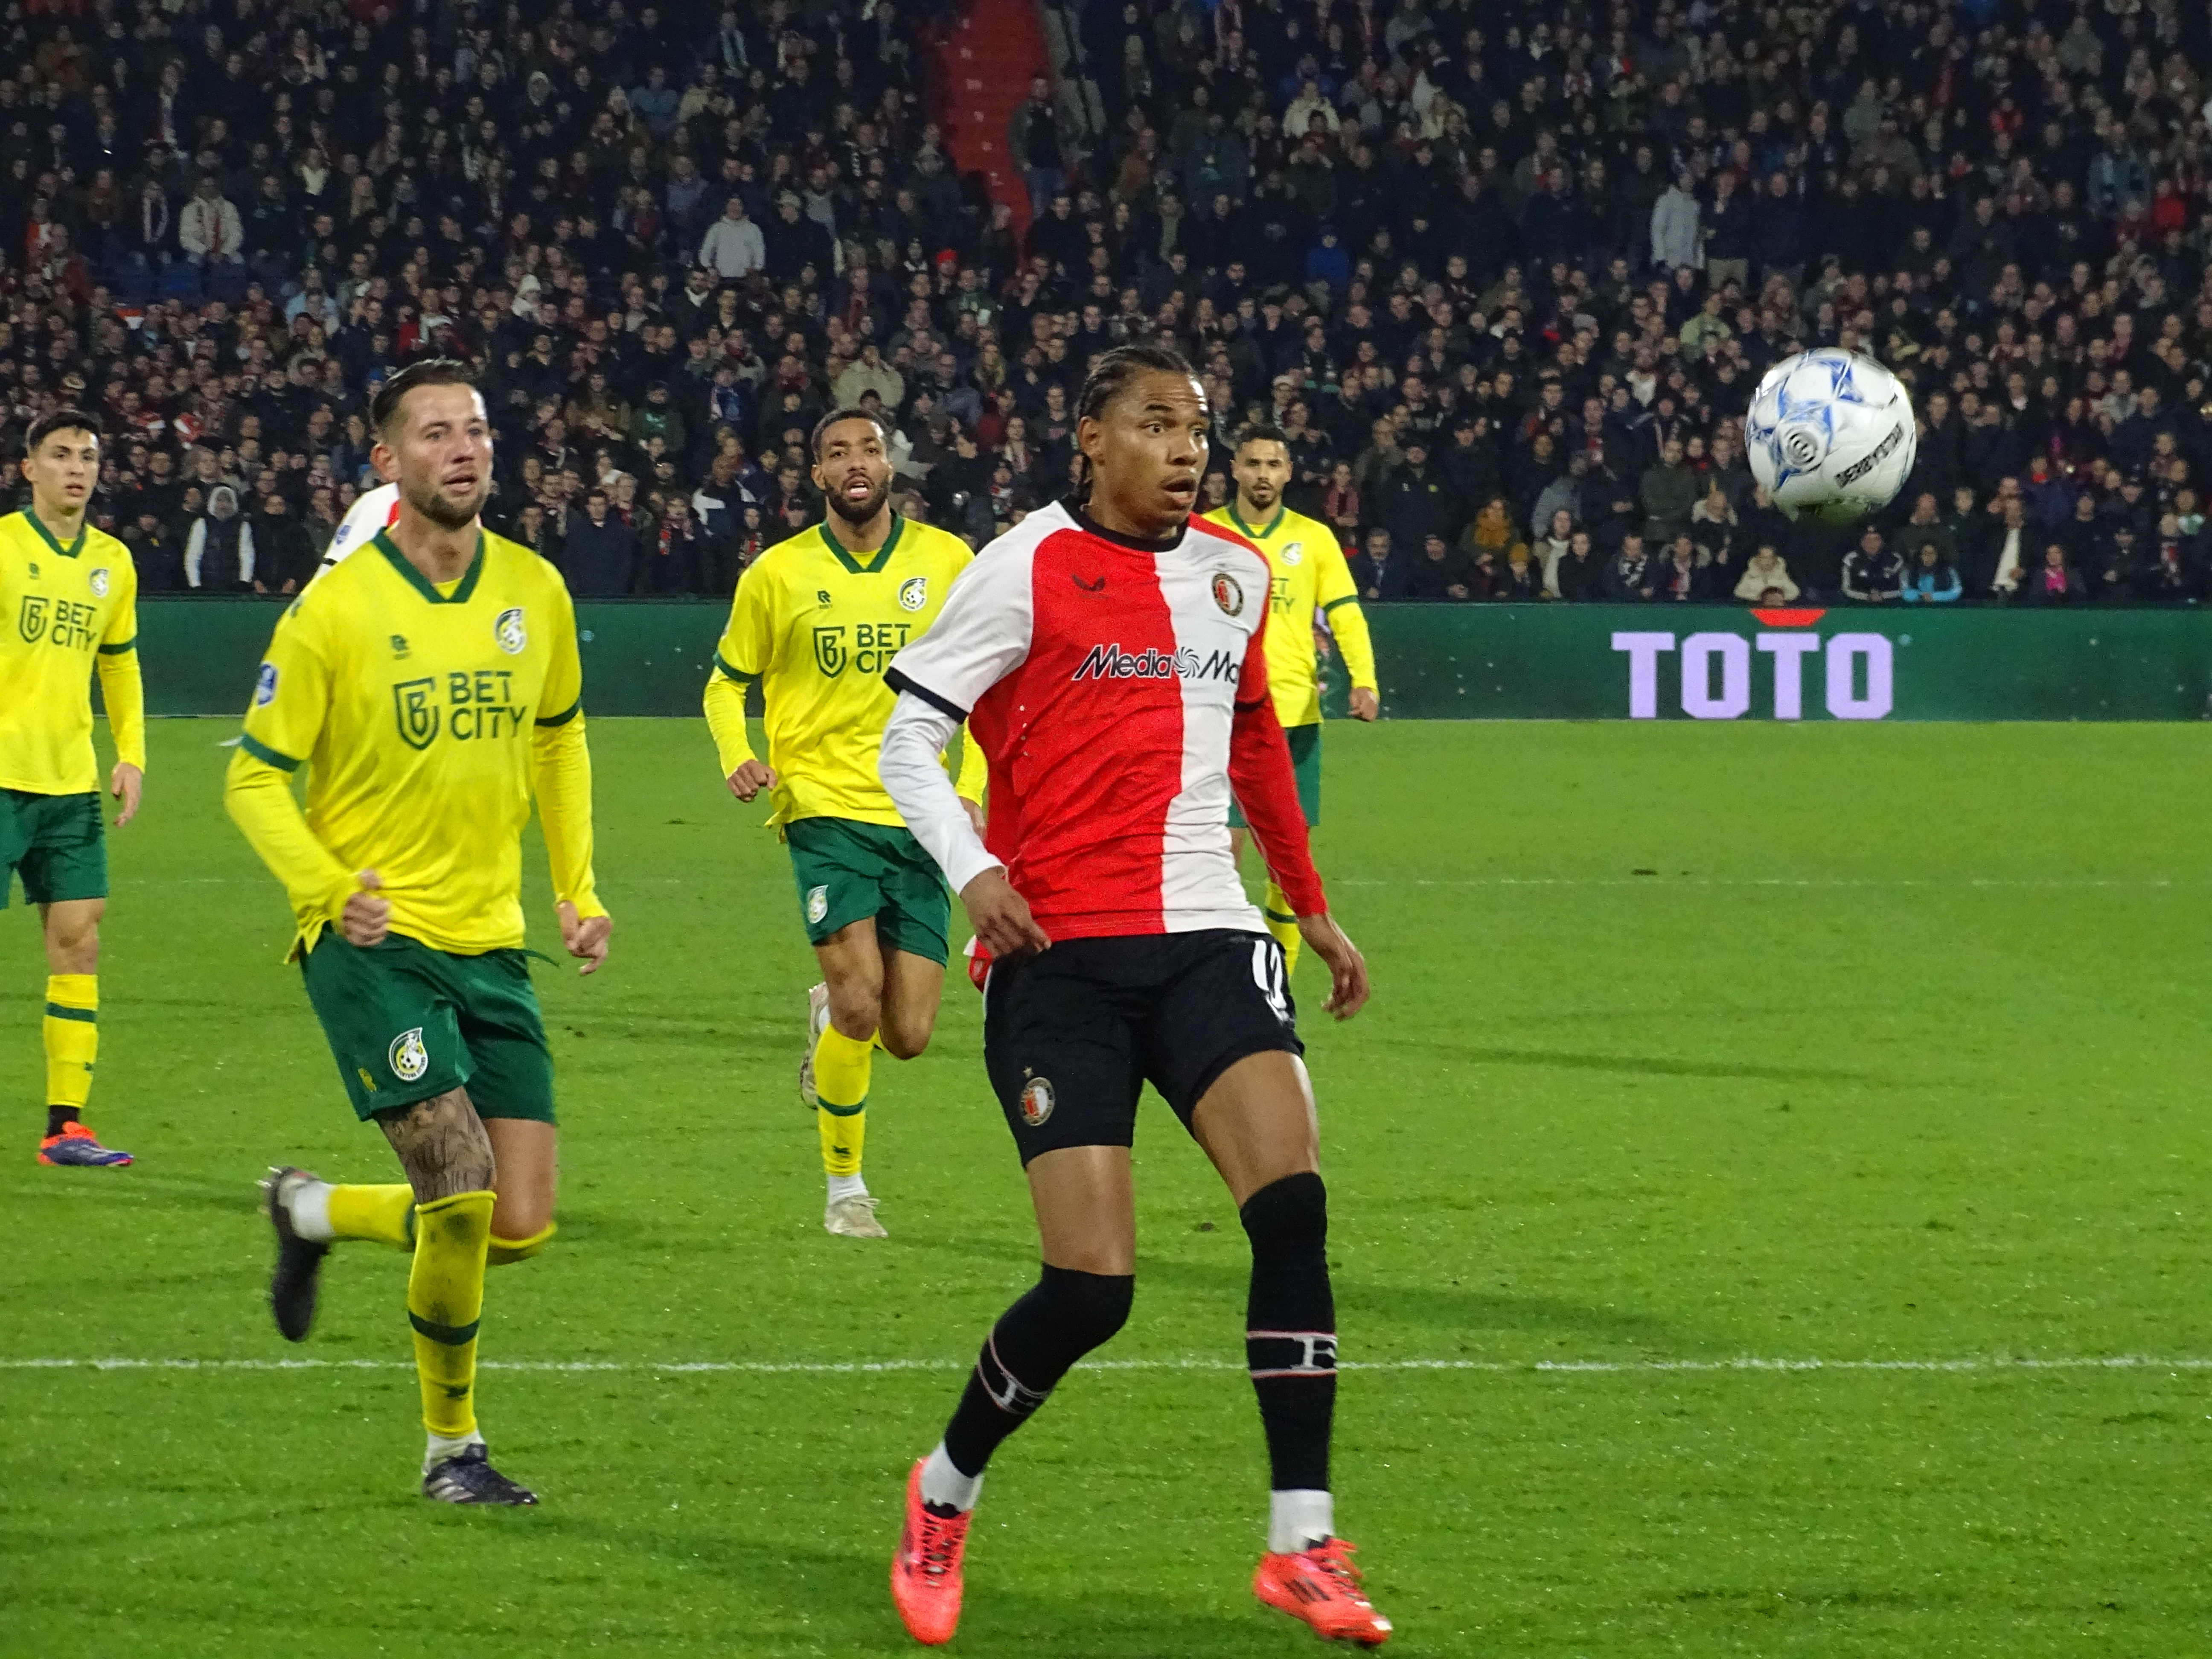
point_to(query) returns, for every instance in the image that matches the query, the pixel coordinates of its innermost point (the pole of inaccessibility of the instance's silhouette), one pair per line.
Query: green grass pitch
(1689, 1045)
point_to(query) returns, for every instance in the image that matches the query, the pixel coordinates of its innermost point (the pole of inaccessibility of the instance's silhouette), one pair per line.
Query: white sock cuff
(851, 1186)
(310, 1210)
(440, 1447)
(1299, 1519)
(942, 1483)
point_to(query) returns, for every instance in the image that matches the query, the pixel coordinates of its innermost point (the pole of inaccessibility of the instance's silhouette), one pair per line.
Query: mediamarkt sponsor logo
(1111, 662)
(1858, 678)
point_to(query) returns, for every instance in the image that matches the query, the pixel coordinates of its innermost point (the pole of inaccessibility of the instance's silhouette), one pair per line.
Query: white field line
(2061, 883)
(831, 1368)
(2054, 883)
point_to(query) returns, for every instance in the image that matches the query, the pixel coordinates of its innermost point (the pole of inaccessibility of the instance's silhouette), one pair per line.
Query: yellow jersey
(816, 626)
(1310, 581)
(64, 612)
(426, 717)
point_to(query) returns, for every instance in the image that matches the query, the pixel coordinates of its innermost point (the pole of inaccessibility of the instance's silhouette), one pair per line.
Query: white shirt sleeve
(981, 636)
(914, 777)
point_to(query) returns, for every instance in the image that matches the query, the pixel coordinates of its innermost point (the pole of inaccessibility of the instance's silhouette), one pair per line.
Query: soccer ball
(1830, 436)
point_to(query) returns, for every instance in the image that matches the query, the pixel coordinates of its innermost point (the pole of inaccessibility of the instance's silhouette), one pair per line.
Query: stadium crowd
(1505, 274)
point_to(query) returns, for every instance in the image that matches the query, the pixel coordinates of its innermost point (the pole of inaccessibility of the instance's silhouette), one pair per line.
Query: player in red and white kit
(1108, 655)
(372, 513)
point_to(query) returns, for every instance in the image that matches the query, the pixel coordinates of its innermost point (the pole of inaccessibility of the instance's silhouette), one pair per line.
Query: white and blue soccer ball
(1830, 435)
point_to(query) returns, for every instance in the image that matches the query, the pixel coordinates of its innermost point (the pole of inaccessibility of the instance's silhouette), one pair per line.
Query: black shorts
(1072, 1035)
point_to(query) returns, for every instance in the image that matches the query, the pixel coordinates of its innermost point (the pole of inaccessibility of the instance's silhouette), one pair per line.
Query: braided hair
(1109, 376)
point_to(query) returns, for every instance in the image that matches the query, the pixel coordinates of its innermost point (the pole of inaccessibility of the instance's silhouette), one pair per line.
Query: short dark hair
(1111, 371)
(383, 408)
(1263, 432)
(62, 420)
(849, 412)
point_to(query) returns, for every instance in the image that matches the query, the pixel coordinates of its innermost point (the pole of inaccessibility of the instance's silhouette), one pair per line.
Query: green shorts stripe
(407, 1023)
(57, 843)
(849, 872)
(1305, 766)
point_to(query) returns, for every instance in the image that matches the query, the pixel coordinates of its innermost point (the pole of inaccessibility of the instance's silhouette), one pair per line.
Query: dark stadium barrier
(1474, 662)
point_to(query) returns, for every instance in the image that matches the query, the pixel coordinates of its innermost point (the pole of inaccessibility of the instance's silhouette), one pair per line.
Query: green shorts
(56, 842)
(1305, 763)
(406, 1022)
(850, 872)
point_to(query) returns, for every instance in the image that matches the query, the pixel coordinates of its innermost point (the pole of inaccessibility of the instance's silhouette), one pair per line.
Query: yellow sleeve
(291, 698)
(1336, 601)
(741, 658)
(122, 688)
(975, 770)
(561, 770)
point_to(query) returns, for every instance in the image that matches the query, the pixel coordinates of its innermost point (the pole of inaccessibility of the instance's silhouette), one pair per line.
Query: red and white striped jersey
(1116, 686)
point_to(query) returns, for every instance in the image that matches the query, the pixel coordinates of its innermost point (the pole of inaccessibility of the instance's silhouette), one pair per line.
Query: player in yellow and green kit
(429, 686)
(815, 622)
(69, 604)
(1311, 584)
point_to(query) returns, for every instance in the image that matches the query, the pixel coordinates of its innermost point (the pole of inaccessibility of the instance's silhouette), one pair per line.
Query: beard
(432, 504)
(861, 511)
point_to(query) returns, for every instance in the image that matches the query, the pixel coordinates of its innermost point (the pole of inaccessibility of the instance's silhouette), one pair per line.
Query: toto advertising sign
(1709, 674)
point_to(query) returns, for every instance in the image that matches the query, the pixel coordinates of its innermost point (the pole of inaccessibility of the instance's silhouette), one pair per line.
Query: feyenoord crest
(1227, 594)
(509, 632)
(97, 582)
(1293, 551)
(818, 905)
(410, 1059)
(914, 593)
(1037, 1101)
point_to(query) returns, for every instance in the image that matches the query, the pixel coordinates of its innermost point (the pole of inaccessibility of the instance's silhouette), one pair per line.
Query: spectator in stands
(1580, 573)
(1443, 572)
(734, 249)
(1631, 575)
(2174, 567)
(1930, 579)
(219, 548)
(283, 554)
(1763, 573)
(2054, 581)
(1378, 568)
(1873, 573)
(599, 549)
(209, 229)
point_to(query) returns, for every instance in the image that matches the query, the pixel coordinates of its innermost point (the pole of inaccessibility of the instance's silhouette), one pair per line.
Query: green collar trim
(47, 535)
(1237, 519)
(422, 584)
(881, 556)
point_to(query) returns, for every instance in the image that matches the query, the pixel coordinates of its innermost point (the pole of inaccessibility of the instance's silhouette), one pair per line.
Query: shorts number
(1268, 973)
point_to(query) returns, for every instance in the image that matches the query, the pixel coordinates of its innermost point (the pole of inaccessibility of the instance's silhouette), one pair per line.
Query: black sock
(1062, 1317)
(59, 1118)
(1289, 1336)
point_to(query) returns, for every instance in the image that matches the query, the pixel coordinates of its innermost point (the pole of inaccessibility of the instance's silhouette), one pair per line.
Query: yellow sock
(385, 1214)
(445, 1300)
(72, 1034)
(504, 1251)
(841, 1088)
(1282, 923)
